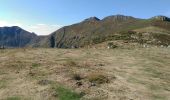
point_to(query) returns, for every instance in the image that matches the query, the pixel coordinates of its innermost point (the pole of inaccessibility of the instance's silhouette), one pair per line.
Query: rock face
(15, 37)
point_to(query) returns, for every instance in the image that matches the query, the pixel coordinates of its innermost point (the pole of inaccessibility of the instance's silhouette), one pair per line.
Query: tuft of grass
(66, 94)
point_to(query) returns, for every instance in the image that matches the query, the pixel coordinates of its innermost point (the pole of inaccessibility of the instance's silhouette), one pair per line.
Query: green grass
(3, 83)
(35, 65)
(66, 94)
(159, 97)
(13, 98)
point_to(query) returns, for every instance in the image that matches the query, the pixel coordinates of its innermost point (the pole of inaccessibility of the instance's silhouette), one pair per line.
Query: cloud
(40, 29)
(43, 29)
(5, 23)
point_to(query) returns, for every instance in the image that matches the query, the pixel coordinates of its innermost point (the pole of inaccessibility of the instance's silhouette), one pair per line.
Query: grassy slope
(140, 73)
(152, 29)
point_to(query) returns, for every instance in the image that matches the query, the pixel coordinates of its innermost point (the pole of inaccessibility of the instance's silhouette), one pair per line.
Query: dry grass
(123, 74)
(98, 78)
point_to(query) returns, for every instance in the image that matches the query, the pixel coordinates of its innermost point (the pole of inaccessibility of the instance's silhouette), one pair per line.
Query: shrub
(77, 77)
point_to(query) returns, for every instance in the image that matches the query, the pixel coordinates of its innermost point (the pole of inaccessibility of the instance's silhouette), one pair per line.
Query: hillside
(118, 27)
(15, 36)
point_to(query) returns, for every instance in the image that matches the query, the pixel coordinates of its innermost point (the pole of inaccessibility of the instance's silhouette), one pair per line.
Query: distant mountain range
(153, 31)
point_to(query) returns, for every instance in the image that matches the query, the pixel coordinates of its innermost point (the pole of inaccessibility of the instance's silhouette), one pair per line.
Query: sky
(45, 16)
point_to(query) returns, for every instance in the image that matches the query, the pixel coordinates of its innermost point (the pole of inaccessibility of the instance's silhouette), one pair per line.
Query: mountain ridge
(94, 30)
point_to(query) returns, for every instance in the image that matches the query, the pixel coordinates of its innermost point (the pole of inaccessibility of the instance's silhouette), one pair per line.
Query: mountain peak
(161, 18)
(118, 17)
(92, 19)
(15, 26)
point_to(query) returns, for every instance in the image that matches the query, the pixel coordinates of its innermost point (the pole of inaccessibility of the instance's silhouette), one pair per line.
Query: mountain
(15, 37)
(117, 27)
(91, 31)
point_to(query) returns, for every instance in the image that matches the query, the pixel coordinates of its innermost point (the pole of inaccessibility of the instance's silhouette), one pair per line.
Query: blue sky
(46, 16)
